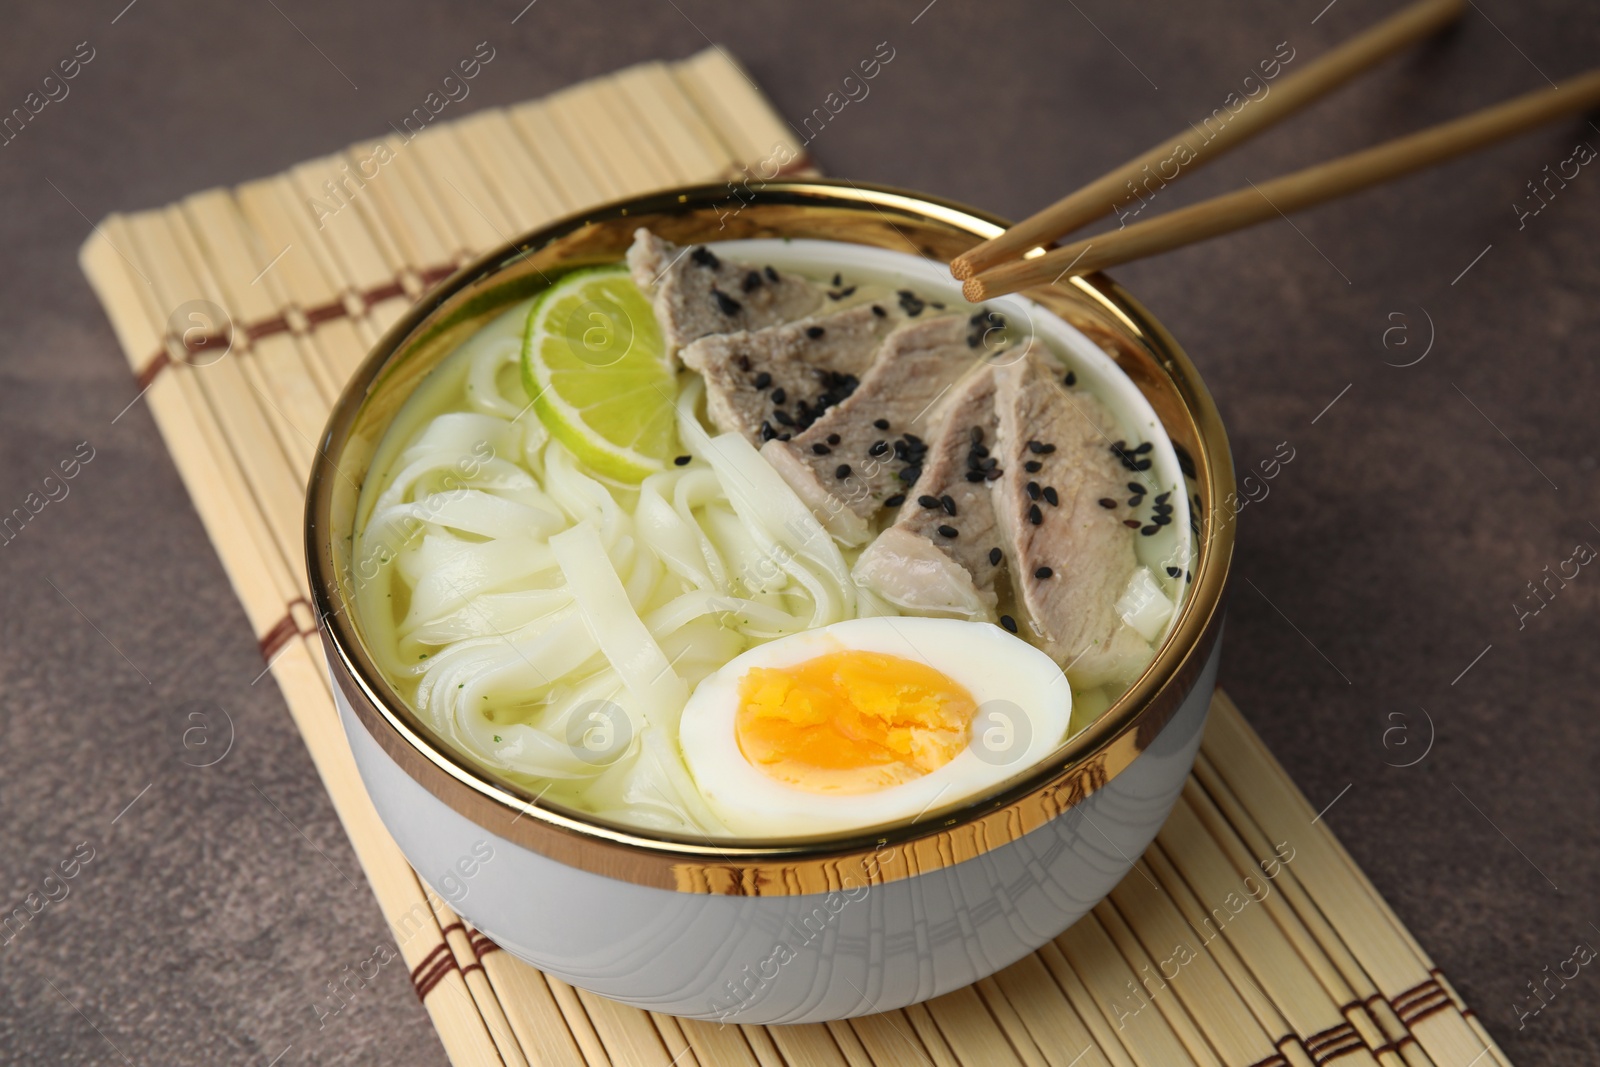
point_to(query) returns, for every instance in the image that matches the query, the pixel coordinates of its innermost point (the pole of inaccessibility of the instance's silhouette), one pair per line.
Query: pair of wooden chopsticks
(1016, 259)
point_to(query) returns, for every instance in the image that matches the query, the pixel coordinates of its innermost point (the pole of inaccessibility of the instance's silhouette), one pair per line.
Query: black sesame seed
(1107, 503)
(1035, 516)
(767, 432)
(1142, 465)
(878, 311)
(705, 257)
(994, 557)
(1036, 447)
(1033, 490)
(977, 318)
(1162, 498)
(833, 438)
(838, 280)
(895, 501)
(1188, 576)
(842, 471)
(681, 461)
(1162, 520)
(780, 396)
(910, 475)
(948, 502)
(1142, 449)
(752, 281)
(991, 475)
(1132, 524)
(1051, 497)
(947, 531)
(936, 304)
(1133, 501)
(1148, 530)
(1118, 446)
(1009, 623)
(763, 380)
(771, 274)
(974, 340)
(1173, 572)
(1043, 572)
(815, 332)
(741, 361)
(1162, 509)
(878, 448)
(820, 449)
(1033, 466)
(928, 501)
(840, 294)
(725, 303)
(882, 424)
(1135, 487)
(1070, 380)
(783, 417)
(976, 476)
(784, 436)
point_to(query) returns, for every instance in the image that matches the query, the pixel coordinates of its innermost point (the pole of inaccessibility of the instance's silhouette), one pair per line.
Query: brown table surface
(1387, 557)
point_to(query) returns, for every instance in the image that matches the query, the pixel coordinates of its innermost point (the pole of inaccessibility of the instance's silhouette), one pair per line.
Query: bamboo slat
(313, 264)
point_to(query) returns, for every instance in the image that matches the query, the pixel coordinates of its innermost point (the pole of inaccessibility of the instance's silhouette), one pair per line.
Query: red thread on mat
(266, 328)
(326, 312)
(432, 276)
(287, 628)
(281, 634)
(1407, 1001)
(158, 363)
(1332, 1043)
(381, 293)
(432, 970)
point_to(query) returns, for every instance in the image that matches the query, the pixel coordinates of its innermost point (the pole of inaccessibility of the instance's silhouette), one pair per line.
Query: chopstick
(1291, 192)
(1115, 188)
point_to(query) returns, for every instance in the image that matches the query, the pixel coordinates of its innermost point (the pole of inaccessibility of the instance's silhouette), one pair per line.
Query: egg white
(990, 663)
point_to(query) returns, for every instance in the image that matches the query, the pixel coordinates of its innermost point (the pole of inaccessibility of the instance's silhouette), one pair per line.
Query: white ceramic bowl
(781, 932)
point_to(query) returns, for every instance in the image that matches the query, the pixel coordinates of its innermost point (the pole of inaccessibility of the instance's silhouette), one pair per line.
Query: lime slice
(596, 368)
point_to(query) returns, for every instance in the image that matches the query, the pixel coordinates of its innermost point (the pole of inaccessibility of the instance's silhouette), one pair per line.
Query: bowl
(791, 931)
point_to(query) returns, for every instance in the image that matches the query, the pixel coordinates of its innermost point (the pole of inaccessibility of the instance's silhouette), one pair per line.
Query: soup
(768, 539)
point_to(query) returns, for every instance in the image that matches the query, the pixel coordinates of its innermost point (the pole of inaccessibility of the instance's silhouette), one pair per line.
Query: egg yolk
(851, 721)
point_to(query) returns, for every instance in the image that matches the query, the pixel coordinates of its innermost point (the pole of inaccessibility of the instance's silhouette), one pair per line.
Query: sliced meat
(779, 380)
(867, 448)
(940, 556)
(1071, 556)
(695, 292)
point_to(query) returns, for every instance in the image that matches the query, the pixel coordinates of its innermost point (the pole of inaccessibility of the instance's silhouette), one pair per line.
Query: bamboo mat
(1184, 963)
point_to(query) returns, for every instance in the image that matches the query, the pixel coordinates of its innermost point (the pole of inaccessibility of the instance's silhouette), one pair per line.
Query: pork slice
(776, 381)
(869, 448)
(939, 557)
(1071, 559)
(695, 292)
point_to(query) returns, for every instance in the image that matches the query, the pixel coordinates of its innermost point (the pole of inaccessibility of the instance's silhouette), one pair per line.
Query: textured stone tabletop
(1426, 350)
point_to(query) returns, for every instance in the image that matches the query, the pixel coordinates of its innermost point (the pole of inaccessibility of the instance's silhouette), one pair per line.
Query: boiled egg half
(868, 722)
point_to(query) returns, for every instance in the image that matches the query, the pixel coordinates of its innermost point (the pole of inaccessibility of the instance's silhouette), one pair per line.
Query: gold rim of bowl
(841, 211)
